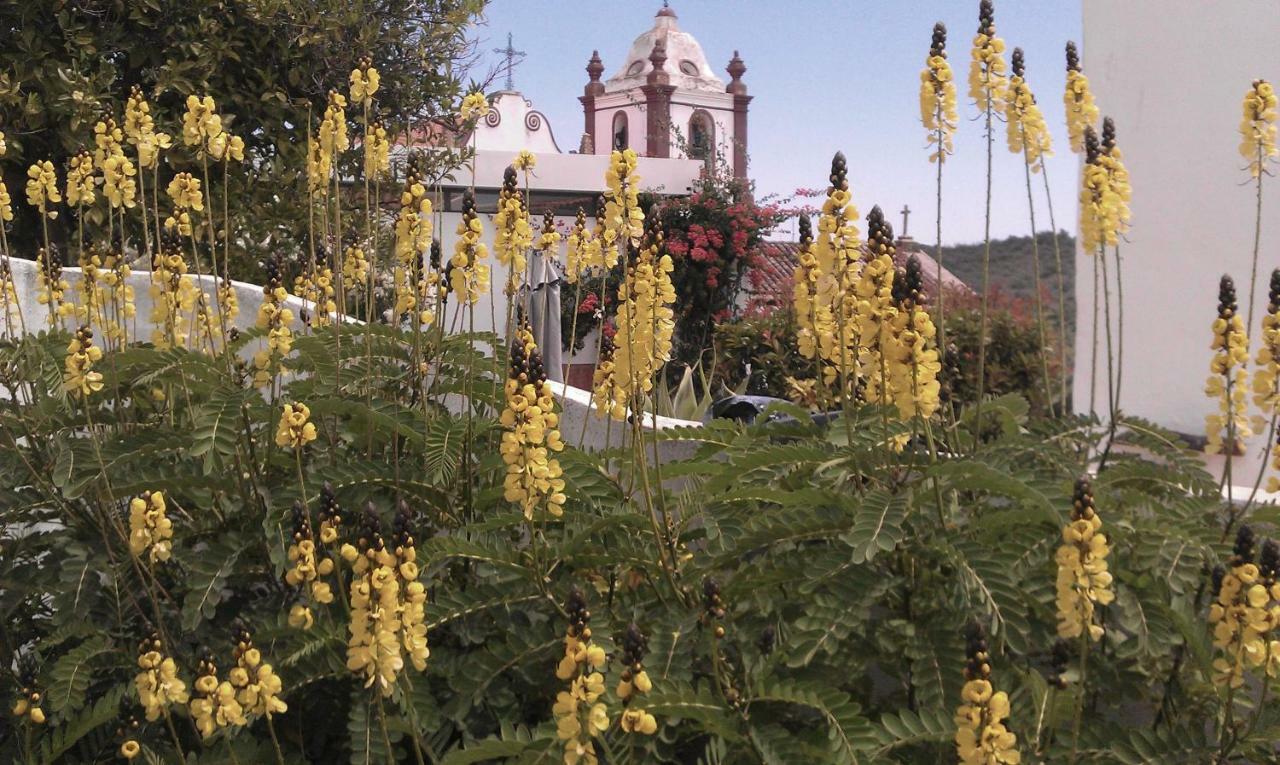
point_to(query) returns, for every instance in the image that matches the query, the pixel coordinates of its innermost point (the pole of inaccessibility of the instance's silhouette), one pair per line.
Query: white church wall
(512, 122)
(1172, 74)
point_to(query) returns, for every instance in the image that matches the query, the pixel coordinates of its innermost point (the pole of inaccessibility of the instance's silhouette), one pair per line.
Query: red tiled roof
(769, 279)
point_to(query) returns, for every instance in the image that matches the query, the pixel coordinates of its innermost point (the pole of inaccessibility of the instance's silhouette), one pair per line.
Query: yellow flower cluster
(875, 312)
(413, 240)
(150, 530)
(1077, 99)
(513, 235)
(1245, 612)
(173, 295)
(634, 683)
(622, 200)
(913, 363)
(275, 317)
(1103, 196)
(531, 432)
(1228, 377)
(525, 161)
(139, 128)
(6, 204)
(258, 687)
(373, 650)
(80, 182)
(214, 705)
(377, 150)
(29, 699)
(580, 715)
(53, 287)
(603, 254)
(1083, 579)
(315, 287)
(602, 380)
(987, 78)
(413, 593)
(333, 126)
(9, 297)
(42, 188)
(837, 250)
(1258, 127)
(1117, 174)
(474, 106)
(158, 684)
(981, 735)
(355, 266)
(549, 238)
(319, 167)
(79, 379)
(184, 190)
(306, 566)
(296, 429)
(90, 307)
(115, 276)
(201, 122)
(364, 82)
(645, 322)
(469, 277)
(938, 97)
(1027, 132)
(578, 252)
(1266, 375)
(118, 171)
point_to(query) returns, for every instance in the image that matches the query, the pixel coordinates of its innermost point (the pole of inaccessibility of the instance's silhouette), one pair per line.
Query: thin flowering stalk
(1258, 147)
(938, 114)
(1227, 382)
(1028, 135)
(987, 88)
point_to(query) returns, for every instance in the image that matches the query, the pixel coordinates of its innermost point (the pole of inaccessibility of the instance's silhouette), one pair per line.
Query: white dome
(686, 63)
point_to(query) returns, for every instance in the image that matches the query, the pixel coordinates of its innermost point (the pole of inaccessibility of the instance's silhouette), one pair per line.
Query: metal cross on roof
(906, 213)
(513, 57)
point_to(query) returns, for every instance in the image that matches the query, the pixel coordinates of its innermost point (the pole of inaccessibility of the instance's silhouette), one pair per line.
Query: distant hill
(1011, 272)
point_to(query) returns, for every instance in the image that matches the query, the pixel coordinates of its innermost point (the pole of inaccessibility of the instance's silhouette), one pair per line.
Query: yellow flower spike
(1266, 376)
(6, 204)
(1258, 127)
(875, 313)
(469, 277)
(184, 190)
(201, 124)
(474, 106)
(913, 362)
(644, 320)
(513, 235)
(987, 71)
(295, 430)
(80, 181)
(1243, 623)
(42, 188)
(150, 530)
(413, 594)
(78, 377)
(837, 265)
(333, 126)
(634, 683)
(1083, 580)
(531, 432)
(257, 686)
(214, 705)
(981, 736)
(158, 684)
(1026, 129)
(525, 160)
(374, 648)
(938, 97)
(275, 317)
(580, 715)
(580, 252)
(364, 81)
(4, 147)
(1078, 101)
(1228, 376)
(377, 151)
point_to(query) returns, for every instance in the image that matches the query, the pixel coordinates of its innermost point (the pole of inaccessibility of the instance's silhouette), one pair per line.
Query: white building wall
(1172, 74)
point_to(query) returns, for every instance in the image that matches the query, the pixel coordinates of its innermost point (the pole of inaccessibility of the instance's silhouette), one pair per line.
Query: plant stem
(986, 273)
(1062, 290)
(177, 743)
(1080, 697)
(1035, 266)
(275, 742)
(1257, 237)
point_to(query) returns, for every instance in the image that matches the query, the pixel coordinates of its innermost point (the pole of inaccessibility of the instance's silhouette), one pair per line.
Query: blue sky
(826, 75)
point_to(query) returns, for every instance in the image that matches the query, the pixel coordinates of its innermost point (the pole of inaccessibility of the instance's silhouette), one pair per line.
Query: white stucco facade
(1172, 74)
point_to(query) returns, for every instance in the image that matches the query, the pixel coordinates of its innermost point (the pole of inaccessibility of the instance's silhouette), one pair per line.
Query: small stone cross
(906, 213)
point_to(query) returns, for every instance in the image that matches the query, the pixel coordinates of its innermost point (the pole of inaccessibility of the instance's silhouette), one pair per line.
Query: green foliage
(269, 63)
